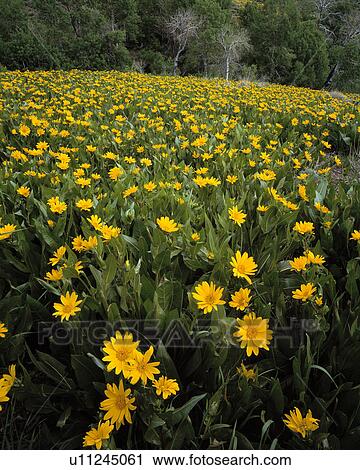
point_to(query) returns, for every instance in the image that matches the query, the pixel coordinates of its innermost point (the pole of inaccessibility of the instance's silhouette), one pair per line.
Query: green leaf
(179, 414)
(52, 368)
(48, 287)
(166, 362)
(110, 270)
(276, 398)
(86, 371)
(97, 275)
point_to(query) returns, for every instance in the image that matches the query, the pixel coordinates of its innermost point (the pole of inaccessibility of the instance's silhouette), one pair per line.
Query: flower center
(241, 268)
(251, 332)
(67, 308)
(121, 355)
(210, 298)
(121, 402)
(141, 366)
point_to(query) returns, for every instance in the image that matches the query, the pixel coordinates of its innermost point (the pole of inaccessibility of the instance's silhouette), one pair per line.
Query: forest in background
(313, 43)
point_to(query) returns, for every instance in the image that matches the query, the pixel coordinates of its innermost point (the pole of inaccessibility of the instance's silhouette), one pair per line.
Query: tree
(122, 15)
(287, 47)
(350, 28)
(324, 10)
(340, 20)
(181, 27)
(202, 54)
(233, 44)
(303, 42)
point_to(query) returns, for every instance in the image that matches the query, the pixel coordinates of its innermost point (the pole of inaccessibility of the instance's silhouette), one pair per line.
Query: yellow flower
(24, 130)
(167, 225)
(243, 266)
(6, 231)
(118, 404)
(78, 267)
(240, 299)
(296, 423)
(3, 330)
(303, 227)
(8, 380)
(109, 232)
(299, 264)
(96, 436)
(119, 350)
(57, 206)
(42, 145)
(305, 292)
(54, 275)
(58, 255)
(249, 374)
(95, 221)
(140, 368)
(150, 186)
(128, 192)
(319, 300)
(237, 216)
(78, 243)
(23, 191)
(110, 156)
(291, 205)
(3, 396)
(213, 181)
(91, 243)
(83, 182)
(267, 175)
(253, 333)
(146, 161)
(302, 192)
(354, 236)
(165, 387)
(337, 160)
(231, 179)
(195, 236)
(200, 181)
(208, 296)
(314, 259)
(68, 306)
(200, 141)
(210, 255)
(262, 208)
(321, 208)
(84, 204)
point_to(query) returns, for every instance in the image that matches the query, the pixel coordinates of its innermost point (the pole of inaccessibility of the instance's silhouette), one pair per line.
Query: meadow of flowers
(179, 264)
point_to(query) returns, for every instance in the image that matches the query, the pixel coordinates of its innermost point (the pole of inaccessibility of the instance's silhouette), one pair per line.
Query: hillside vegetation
(179, 263)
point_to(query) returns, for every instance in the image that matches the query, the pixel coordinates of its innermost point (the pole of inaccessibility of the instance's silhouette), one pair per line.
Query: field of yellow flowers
(179, 264)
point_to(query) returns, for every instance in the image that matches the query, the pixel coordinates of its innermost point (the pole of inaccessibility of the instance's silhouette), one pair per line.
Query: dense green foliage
(292, 41)
(86, 151)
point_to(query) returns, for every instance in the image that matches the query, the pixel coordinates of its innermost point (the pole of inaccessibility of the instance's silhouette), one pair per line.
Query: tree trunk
(176, 59)
(112, 20)
(227, 69)
(176, 63)
(331, 76)
(205, 68)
